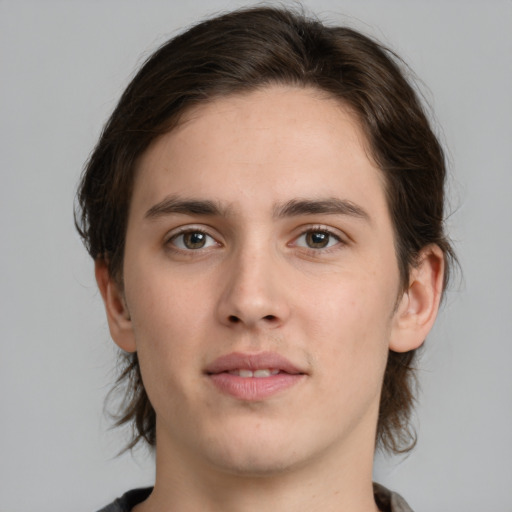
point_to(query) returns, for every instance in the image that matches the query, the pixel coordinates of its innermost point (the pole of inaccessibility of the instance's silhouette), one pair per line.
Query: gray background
(63, 66)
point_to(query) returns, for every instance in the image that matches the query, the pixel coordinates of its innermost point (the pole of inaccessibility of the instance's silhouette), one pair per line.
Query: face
(261, 283)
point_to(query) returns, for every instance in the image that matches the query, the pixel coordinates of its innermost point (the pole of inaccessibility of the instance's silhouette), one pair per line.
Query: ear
(118, 316)
(418, 307)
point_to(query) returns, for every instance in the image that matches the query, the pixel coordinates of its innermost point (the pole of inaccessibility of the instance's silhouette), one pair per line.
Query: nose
(253, 292)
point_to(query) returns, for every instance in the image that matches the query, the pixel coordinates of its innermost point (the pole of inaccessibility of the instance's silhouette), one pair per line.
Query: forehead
(277, 143)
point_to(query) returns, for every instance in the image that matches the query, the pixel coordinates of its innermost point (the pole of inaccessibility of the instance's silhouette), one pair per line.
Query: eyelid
(182, 230)
(340, 236)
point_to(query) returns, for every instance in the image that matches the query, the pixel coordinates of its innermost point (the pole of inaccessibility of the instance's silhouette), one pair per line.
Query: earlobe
(419, 305)
(118, 315)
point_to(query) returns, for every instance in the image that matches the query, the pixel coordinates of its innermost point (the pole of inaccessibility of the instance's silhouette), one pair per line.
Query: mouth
(257, 374)
(253, 377)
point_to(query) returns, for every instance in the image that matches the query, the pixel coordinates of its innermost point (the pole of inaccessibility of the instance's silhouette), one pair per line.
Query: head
(249, 51)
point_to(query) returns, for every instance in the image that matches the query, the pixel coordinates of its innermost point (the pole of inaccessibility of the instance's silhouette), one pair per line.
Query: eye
(317, 239)
(192, 240)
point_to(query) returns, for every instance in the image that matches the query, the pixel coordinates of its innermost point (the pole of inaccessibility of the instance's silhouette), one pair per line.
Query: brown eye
(192, 240)
(317, 239)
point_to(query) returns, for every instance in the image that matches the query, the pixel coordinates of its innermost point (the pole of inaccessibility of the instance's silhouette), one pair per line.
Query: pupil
(194, 240)
(317, 239)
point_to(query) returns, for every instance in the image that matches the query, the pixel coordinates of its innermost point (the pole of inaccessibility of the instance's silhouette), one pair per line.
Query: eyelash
(171, 241)
(332, 237)
(338, 240)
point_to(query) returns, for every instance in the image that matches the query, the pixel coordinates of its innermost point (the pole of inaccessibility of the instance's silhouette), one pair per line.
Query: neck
(332, 482)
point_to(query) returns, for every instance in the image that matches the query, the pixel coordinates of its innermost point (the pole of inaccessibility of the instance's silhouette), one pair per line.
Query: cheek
(159, 296)
(351, 326)
(167, 317)
(167, 334)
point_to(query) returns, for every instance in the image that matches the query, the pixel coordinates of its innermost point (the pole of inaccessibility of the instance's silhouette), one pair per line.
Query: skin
(261, 282)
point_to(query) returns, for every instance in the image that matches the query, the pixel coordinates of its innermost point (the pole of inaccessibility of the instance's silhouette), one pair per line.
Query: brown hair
(239, 52)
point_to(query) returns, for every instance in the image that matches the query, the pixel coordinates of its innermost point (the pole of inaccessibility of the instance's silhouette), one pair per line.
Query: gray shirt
(386, 500)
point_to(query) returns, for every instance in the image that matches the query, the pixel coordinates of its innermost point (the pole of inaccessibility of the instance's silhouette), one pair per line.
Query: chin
(254, 454)
(254, 464)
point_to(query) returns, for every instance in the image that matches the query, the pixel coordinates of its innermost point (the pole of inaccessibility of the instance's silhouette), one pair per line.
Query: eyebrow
(330, 206)
(175, 204)
(293, 208)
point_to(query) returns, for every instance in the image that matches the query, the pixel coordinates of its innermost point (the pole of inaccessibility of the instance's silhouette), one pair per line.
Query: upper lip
(253, 362)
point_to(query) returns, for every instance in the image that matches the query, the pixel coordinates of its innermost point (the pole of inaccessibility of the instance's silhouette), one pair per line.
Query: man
(265, 212)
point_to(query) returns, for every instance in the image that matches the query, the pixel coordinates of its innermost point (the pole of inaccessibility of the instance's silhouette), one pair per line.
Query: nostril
(235, 319)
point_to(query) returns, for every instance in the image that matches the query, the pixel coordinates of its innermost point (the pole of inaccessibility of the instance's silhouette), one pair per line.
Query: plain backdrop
(63, 67)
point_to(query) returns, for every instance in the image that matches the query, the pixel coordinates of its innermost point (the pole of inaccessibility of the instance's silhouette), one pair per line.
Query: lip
(253, 388)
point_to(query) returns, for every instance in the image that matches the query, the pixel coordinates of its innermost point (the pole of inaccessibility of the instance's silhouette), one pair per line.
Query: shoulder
(389, 501)
(128, 500)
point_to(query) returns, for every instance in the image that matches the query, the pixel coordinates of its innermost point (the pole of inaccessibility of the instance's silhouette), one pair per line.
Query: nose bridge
(252, 295)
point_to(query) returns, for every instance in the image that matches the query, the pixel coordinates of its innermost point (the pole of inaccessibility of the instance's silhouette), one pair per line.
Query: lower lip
(254, 388)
